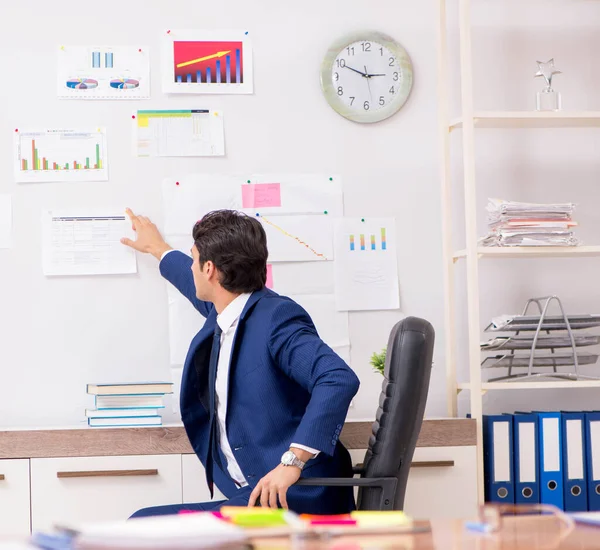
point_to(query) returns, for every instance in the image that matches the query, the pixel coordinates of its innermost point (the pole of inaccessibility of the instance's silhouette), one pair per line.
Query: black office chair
(384, 473)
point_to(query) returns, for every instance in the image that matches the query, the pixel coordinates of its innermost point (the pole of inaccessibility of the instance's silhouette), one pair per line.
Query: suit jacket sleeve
(176, 267)
(297, 349)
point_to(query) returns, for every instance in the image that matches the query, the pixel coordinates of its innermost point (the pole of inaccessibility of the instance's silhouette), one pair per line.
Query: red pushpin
(176, 183)
(140, 50)
(132, 116)
(16, 129)
(168, 32)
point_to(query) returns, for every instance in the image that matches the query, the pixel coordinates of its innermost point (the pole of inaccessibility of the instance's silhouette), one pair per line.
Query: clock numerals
(392, 61)
(340, 63)
(352, 101)
(381, 50)
(392, 91)
(366, 106)
(366, 46)
(340, 90)
(396, 77)
(336, 76)
(350, 50)
(381, 100)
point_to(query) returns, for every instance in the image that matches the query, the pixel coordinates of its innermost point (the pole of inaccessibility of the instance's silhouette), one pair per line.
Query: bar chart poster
(207, 62)
(103, 72)
(366, 268)
(53, 155)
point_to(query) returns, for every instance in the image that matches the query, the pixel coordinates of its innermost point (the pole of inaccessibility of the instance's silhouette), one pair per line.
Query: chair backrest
(401, 408)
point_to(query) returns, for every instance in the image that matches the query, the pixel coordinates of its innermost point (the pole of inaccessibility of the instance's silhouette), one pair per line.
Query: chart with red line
(299, 238)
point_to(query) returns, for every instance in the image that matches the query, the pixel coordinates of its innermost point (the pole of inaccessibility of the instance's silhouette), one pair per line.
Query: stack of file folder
(543, 457)
(541, 343)
(135, 404)
(529, 224)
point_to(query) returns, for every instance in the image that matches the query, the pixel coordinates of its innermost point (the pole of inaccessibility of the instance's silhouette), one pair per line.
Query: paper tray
(543, 342)
(554, 360)
(551, 322)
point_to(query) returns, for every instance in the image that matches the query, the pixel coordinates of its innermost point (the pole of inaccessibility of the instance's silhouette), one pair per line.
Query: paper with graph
(296, 211)
(366, 269)
(50, 155)
(103, 72)
(206, 62)
(179, 133)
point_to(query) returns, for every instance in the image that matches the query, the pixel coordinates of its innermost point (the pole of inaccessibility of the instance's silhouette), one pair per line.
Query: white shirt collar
(230, 315)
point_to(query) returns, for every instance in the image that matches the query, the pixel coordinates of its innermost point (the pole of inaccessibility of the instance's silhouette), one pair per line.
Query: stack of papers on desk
(175, 532)
(529, 224)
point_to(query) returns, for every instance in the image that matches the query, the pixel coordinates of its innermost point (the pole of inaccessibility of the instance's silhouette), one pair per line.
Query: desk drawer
(442, 482)
(14, 498)
(87, 489)
(194, 481)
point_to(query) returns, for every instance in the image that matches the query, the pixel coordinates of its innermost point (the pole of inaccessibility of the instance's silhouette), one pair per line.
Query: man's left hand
(275, 484)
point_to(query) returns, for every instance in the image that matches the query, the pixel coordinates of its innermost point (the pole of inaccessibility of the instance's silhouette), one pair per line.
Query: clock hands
(357, 71)
(368, 83)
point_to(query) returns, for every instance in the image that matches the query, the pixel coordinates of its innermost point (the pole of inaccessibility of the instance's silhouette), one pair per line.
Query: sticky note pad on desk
(338, 519)
(380, 519)
(254, 517)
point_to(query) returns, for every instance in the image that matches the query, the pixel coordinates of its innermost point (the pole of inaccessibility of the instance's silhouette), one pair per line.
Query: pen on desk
(478, 527)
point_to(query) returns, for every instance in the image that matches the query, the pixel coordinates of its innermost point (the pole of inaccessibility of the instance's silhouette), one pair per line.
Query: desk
(539, 533)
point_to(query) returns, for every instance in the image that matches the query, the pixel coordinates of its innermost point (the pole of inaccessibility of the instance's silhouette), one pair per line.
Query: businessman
(263, 398)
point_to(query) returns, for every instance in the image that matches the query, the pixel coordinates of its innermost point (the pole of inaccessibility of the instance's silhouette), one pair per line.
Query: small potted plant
(378, 361)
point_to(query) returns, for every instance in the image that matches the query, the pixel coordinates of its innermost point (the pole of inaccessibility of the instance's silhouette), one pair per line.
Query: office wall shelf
(550, 385)
(470, 121)
(532, 252)
(530, 119)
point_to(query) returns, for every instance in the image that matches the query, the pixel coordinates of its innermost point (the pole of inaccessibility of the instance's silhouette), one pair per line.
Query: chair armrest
(386, 484)
(346, 482)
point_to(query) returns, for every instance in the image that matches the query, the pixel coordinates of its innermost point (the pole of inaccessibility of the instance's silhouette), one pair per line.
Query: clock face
(366, 78)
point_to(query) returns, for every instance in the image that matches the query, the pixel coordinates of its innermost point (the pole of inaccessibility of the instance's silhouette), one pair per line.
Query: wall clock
(366, 76)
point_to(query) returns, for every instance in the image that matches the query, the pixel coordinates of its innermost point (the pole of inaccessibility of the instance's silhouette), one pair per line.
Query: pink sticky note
(261, 195)
(269, 276)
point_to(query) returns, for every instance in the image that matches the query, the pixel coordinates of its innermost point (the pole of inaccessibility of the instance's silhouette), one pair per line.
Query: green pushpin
(362, 219)
(325, 212)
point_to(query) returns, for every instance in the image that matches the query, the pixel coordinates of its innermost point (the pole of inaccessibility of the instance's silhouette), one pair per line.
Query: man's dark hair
(237, 244)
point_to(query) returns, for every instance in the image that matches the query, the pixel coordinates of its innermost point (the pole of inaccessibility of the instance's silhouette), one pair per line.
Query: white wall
(553, 165)
(58, 334)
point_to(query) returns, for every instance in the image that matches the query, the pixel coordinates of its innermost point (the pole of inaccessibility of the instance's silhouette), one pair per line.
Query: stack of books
(529, 224)
(135, 404)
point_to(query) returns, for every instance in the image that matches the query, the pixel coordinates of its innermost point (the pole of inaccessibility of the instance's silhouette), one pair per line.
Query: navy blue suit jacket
(285, 385)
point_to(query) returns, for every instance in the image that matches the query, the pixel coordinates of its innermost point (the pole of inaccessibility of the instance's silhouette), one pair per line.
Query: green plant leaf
(378, 361)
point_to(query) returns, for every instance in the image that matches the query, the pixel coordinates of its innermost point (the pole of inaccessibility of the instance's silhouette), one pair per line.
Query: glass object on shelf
(548, 99)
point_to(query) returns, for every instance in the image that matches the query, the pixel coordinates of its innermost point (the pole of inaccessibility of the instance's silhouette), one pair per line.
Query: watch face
(288, 458)
(366, 77)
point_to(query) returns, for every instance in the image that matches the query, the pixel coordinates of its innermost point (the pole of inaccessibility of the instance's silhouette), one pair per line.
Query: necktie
(213, 451)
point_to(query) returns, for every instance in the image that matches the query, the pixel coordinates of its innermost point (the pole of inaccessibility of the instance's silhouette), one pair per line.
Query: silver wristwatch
(290, 459)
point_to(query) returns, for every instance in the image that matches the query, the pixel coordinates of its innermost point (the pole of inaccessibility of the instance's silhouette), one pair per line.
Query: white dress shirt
(228, 322)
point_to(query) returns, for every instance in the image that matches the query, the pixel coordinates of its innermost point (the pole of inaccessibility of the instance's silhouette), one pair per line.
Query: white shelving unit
(470, 122)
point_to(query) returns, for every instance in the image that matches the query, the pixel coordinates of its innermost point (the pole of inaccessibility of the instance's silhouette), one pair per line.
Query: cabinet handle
(2, 478)
(433, 464)
(107, 473)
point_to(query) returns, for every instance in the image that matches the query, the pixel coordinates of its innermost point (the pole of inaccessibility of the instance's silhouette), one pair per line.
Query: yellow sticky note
(143, 121)
(375, 518)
